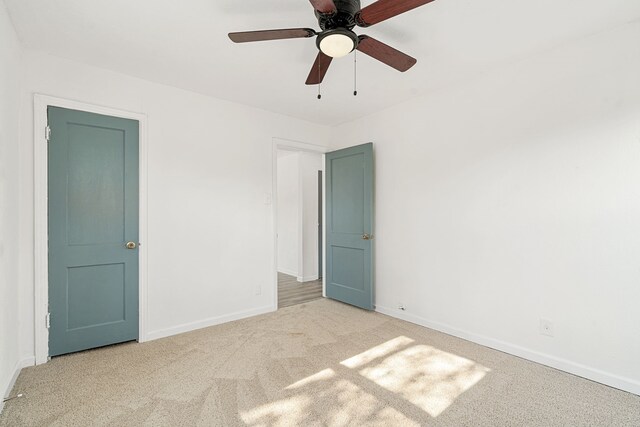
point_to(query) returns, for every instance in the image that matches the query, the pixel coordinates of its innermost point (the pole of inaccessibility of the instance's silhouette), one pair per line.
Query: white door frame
(41, 232)
(286, 144)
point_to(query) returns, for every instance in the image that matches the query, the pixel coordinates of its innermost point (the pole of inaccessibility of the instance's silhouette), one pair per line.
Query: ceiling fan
(337, 18)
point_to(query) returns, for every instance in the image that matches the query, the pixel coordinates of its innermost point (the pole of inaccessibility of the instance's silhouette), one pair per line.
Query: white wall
(310, 164)
(516, 197)
(210, 247)
(10, 72)
(288, 181)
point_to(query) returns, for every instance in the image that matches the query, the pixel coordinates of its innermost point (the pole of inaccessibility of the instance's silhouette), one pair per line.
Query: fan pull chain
(319, 79)
(355, 74)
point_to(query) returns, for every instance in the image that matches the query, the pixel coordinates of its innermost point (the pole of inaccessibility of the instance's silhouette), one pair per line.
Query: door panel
(345, 261)
(347, 192)
(96, 295)
(93, 212)
(349, 221)
(96, 177)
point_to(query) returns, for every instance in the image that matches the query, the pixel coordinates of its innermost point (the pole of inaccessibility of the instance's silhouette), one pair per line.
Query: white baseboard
(288, 272)
(307, 278)
(212, 321)
(22, 363)
(597, 375)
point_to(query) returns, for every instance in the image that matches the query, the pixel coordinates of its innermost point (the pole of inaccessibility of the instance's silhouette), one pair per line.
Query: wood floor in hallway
(292, 292)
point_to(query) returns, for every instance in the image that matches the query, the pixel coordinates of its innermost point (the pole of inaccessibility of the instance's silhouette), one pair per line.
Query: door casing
(41, 232)
(321, 224)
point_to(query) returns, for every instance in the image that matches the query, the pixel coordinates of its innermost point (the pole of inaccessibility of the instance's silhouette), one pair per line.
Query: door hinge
(48, 320)
(47, 133)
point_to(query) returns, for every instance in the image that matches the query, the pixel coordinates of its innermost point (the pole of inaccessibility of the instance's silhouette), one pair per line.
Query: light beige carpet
(319, 363)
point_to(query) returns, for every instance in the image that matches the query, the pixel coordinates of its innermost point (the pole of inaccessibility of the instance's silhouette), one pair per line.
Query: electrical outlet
(546, 327)
(258, 290)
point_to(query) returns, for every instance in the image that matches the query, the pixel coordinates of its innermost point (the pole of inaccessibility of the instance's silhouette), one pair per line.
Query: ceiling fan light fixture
(336, 19)
(337, 43)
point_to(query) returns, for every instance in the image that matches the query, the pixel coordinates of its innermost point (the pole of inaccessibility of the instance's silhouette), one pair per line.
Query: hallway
(292, 292)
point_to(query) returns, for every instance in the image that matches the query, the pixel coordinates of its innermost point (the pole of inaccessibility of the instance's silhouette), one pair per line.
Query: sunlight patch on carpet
(356, 406)
(429, 378)
(337, 402)
(377, 352)
(383, 385)
(281, 412)
(323, 375)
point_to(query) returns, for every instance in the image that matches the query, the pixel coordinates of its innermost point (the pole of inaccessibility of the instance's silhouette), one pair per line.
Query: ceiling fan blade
(383, 53)
(385, 9)
(256, 36)
(324, 6)
(319, 69)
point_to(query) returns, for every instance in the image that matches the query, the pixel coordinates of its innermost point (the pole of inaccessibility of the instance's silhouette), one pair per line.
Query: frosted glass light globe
(336, 45)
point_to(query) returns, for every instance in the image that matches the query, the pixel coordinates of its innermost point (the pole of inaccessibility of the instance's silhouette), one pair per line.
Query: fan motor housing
(345, 17)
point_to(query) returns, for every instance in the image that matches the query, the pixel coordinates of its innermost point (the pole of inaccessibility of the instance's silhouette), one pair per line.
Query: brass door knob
(131, 245)
(366, 237)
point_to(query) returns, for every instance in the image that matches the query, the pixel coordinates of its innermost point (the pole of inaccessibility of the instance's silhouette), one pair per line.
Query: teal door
(93, 230)
(349, 222)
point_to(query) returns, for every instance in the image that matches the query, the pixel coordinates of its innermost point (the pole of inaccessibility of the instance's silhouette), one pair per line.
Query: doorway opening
(298, 202)
(346, 268)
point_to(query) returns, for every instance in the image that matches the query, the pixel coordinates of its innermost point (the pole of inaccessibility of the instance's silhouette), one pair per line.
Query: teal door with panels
(349, 222)
(93, 230)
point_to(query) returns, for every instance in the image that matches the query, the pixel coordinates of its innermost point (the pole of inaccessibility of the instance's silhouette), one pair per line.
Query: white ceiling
(184, 43)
